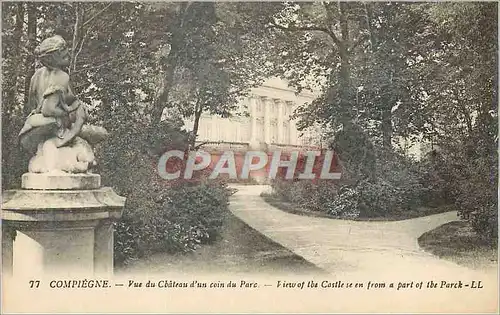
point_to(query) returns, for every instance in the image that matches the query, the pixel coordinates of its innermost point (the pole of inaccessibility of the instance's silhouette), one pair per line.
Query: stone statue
(55, 131)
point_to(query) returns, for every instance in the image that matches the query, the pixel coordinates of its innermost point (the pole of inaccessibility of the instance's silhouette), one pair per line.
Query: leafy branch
(307, 28)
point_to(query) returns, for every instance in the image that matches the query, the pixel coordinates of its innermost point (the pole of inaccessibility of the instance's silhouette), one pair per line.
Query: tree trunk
(387, 113)
(30, 60)
(162, 99)
(196, 124)
(344, 116)
(369, 18)
(345, 85)
(345, 67)
(387, 127)
(10, 84)
(76, 30)
(170, 64)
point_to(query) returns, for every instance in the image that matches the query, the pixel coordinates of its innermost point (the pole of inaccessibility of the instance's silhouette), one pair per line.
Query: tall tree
(213, 61)
(32, 16)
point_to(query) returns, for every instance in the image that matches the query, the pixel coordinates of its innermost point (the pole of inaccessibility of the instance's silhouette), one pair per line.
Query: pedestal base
(63, 232)
(54, 252)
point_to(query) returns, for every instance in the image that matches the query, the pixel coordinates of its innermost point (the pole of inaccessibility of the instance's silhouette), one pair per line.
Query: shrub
(476, 197)
(315, 195)
(380, 198)
(198, 207)
(346, 204)
(190, 215)
(367, 199)
(159, 215)
(465, 172)
(401, 176)
(135, 238)
(394, 186)
(437, 180)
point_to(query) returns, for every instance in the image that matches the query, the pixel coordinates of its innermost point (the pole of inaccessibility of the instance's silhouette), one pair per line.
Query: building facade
(263, 120)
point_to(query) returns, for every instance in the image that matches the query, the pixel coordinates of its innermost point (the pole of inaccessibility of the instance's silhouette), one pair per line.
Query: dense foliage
(116, 51)
(183, 218)
(387, 74)
(397, 186)
(393, 74)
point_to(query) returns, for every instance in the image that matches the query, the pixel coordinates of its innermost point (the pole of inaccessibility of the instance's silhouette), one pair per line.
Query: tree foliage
(391, 71)
(384, 72)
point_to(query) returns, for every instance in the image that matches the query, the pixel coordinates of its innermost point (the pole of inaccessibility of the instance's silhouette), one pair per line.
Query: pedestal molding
(36, 200)
(60, 181)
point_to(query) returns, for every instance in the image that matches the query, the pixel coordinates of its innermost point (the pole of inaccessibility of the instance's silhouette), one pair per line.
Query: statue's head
(53, 52)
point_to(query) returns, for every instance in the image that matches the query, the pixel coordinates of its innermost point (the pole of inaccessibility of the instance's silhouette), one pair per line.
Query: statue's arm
(74, 106)
(50, 106)
(53, 103)
(72, 100)
(69, 108)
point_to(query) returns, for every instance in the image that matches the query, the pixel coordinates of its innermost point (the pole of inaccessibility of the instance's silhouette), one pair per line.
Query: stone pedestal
(64, 229)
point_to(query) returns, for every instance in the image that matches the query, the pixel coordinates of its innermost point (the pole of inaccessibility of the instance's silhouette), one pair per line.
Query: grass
(240, 249)
(289, 207)
(457, 242)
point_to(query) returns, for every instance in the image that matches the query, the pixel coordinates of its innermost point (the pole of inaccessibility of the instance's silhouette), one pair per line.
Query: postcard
(249, 157)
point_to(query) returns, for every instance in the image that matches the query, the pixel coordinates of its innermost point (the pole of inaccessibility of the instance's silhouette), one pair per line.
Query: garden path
(381, 249)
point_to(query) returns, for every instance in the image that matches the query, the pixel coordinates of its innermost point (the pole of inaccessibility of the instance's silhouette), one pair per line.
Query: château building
(261, 122)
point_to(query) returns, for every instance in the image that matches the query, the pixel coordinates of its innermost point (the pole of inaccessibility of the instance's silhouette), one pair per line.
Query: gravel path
(343, 247)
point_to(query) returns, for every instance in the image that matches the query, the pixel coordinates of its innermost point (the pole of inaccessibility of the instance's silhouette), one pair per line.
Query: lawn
(457, 242)
(240, 249)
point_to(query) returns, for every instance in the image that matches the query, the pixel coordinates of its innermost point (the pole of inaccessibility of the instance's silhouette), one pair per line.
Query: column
(54, 250)
(293, 127)
(8, 236)
(237, 124)
(253, 119)
(103, 248)
(27, 256)
(280, 122)
(267, 120)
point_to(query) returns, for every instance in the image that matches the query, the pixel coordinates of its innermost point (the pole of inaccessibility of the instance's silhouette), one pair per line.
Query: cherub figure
(58, 115)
